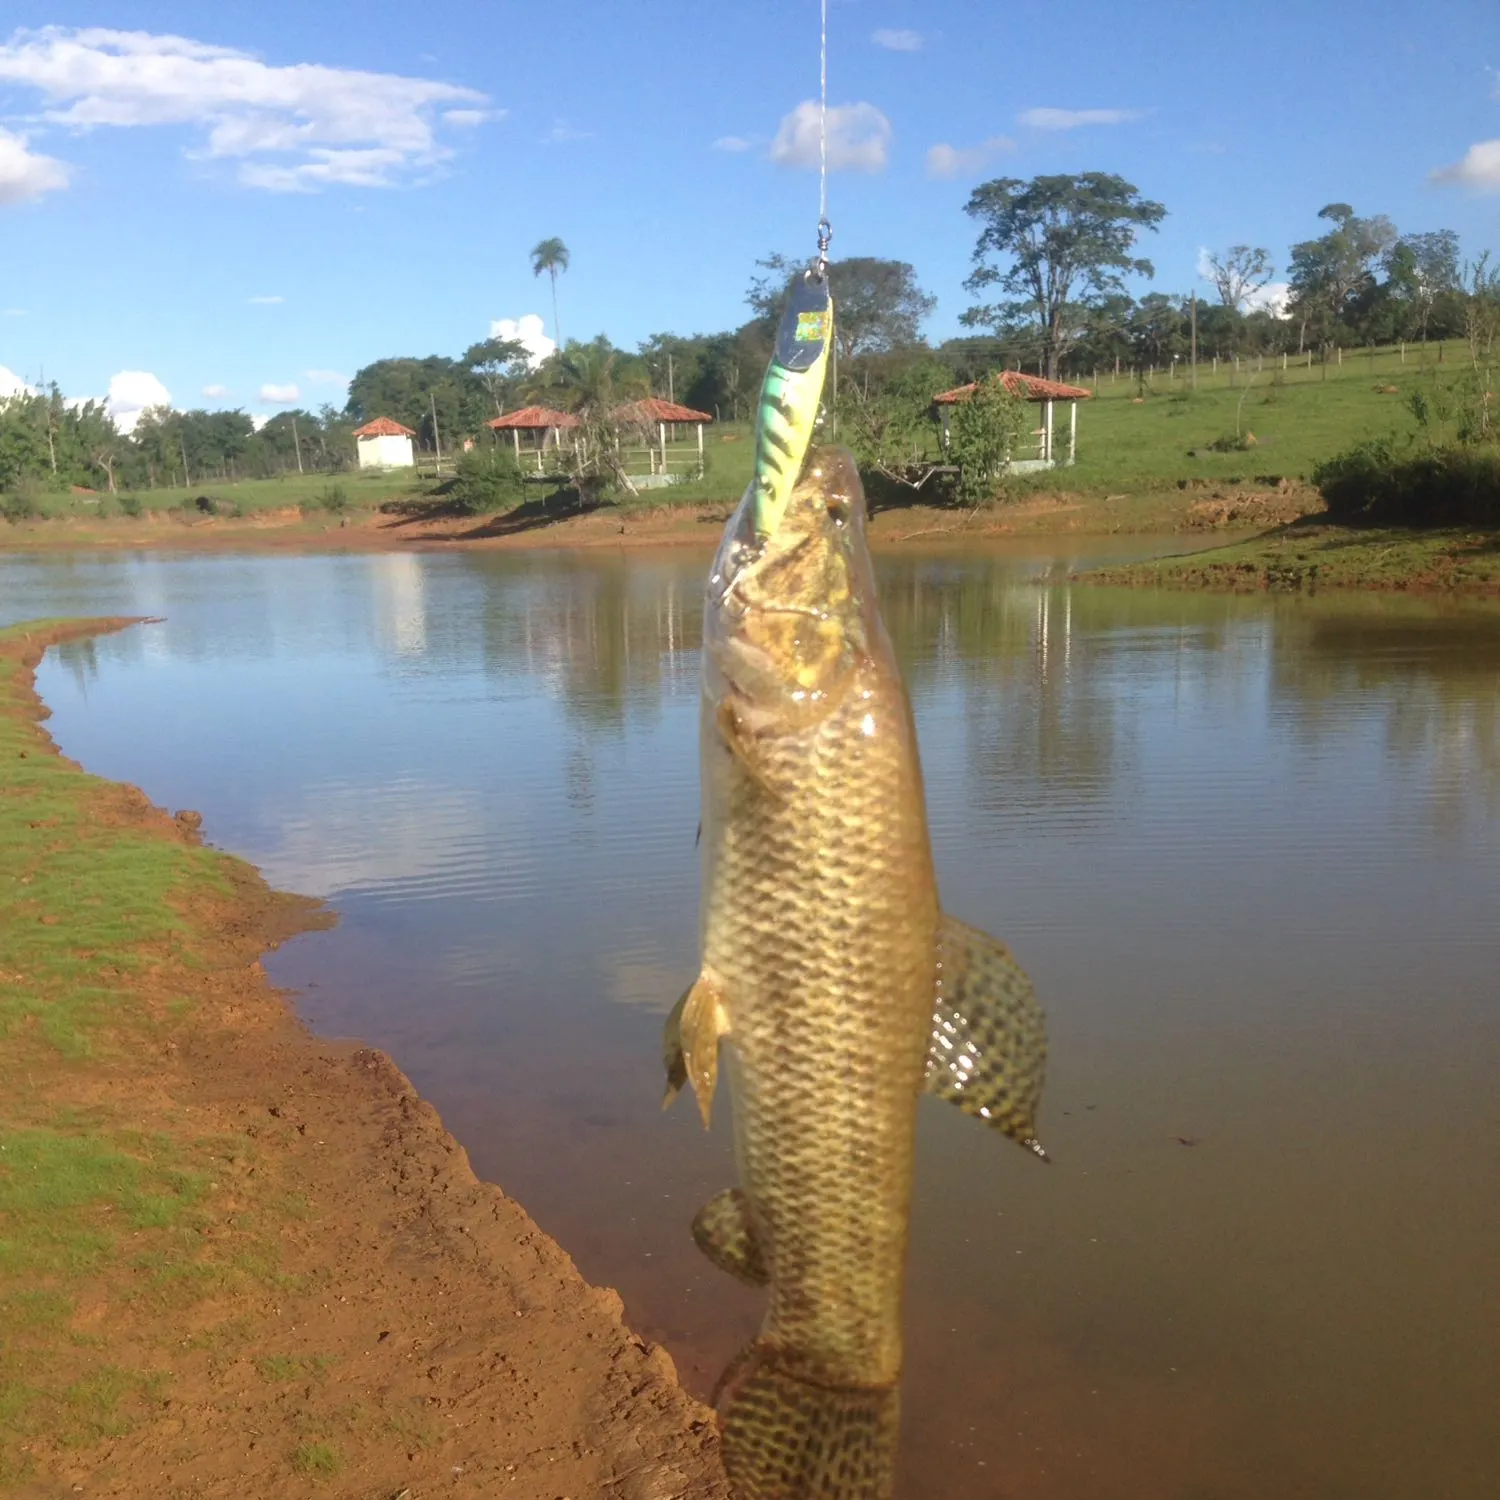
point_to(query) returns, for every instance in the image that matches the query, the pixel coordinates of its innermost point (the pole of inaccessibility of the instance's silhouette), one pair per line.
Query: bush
(24, 503)
(333, 498)
(130, 505)
(488, 479)
(1375, 484)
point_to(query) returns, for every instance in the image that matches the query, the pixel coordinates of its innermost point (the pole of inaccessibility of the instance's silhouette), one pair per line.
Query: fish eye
(838, 509)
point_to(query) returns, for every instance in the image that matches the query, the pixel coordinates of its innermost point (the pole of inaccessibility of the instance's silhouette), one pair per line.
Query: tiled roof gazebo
(652, 411)
(1029, 388)
(545, 420)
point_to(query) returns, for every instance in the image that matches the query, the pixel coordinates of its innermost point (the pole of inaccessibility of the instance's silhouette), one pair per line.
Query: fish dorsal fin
(989, 1037)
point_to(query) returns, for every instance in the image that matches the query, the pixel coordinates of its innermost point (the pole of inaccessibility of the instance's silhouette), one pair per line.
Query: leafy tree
(1158, 330)
(1239, 273)
(982, 436)
(551, 256)
(409, 390)
(1328, 272)
(498, 364)
(878, 305)
(1420, 268)
(1059, 233)
(890, 430)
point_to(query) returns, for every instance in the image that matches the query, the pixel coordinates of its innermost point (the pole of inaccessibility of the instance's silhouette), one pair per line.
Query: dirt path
(329, 1303)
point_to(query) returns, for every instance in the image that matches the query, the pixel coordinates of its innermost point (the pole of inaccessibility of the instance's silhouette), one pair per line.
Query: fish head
(788, 612)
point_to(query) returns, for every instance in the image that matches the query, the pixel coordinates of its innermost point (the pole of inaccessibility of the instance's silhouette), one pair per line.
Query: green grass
(91, 909)
(317, 1460)
(248, 496)
(1311, 555)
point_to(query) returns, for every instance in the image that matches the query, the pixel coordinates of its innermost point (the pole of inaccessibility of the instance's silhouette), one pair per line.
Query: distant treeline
(1064, 310)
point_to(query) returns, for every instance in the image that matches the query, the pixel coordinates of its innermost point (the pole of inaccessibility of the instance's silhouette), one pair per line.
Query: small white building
(384, 444)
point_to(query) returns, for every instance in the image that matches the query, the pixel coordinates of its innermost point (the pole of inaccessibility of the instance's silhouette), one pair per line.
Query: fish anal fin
(785, 1435)
(690, 1043)
(724, 1230)
(989, 1038)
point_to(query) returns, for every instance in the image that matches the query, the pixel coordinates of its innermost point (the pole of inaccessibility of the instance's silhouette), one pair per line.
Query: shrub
(333, 498)
(24, 503)
(984, 433)
(130, 505)
(1375, 483)
(488, 479)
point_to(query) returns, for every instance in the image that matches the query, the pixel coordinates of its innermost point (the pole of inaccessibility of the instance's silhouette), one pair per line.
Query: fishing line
(825, 229)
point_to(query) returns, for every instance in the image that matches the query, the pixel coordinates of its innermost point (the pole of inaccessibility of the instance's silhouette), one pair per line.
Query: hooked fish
(839, 987)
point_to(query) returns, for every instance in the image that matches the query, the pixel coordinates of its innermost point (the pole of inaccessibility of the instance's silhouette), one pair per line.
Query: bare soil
(425, 527)
(415, 1334)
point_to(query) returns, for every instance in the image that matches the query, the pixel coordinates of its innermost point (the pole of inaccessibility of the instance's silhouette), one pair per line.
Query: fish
(831, 981)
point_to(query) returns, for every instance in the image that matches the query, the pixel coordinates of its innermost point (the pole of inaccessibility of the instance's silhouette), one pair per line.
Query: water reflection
(1248, 848)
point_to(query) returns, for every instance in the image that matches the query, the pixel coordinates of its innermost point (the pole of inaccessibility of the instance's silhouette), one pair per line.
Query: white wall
(388, 451)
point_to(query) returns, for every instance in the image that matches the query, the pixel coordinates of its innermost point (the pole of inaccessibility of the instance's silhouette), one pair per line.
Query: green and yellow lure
(789, 398)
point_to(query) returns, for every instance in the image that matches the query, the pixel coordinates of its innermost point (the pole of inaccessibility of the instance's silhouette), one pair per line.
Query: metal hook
(825, 235)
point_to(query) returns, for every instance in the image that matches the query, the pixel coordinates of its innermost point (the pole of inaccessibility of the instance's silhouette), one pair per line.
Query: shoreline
(1192, 512)
(318, 1285)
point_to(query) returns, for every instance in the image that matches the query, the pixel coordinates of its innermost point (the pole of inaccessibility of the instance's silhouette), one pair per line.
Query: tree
(408, 390)
(1328, 272)
(878, 305)
(1420, 268)
(1060, 233)
(551, 256)
(890, 430)
(1239, 273)
(982, 435)
(498, 364)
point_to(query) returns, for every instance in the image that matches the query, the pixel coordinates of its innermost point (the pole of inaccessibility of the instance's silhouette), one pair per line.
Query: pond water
(1248, 848)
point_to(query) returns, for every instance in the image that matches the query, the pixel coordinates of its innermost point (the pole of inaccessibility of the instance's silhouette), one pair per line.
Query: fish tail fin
(786, 1437)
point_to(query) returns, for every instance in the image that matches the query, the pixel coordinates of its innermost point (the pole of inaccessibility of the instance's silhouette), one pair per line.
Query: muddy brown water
(1248, 848)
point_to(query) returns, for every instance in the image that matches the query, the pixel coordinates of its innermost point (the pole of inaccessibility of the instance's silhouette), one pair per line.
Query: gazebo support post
(662, 430)
(700, 448)
(1072, 433)
(1047, 433)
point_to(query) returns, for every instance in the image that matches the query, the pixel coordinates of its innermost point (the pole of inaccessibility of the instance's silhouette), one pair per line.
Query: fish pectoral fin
(724, 1230)
(690, 1043)
(989, 1037)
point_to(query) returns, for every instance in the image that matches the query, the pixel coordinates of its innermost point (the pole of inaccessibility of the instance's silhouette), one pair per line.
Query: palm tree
(551, 256)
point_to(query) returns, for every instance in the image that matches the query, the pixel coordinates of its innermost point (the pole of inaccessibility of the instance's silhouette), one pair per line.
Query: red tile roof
(383, 427)
(1029, 387)
(531, 417)
(654, 409)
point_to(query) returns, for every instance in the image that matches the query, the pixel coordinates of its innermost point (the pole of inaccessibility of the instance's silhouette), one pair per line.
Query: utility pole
(437, 441)
(1193, 314)
(671, 389)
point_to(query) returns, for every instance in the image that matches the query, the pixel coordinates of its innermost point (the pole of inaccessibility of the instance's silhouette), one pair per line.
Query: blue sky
(213, 214)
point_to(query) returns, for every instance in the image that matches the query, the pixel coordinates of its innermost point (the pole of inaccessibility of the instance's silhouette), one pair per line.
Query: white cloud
(1071, 119)
(272, 300)
(859, 138)
(12, 312)
(130, 393)
(291, 128)
(325, 377)
(11, 385)
(279, 395)
(464, 117)
(734, 143)
(562, 132)
(1274, 298)
(258, 419)
(1479, 169)
(898, 41)
(25, 174)
(529, 331)
(964, 161)
(216, 392)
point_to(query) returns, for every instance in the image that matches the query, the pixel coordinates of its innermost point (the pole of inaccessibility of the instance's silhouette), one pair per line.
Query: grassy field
(1132, 436)
(1308, 555)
